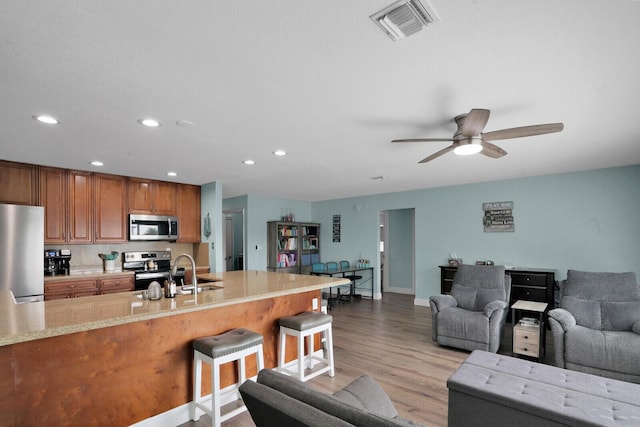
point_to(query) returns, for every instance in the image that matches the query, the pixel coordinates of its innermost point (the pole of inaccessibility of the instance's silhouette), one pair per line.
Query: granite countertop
(32, 321)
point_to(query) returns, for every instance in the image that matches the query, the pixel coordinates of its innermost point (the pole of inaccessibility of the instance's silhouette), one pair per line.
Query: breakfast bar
(118, 359)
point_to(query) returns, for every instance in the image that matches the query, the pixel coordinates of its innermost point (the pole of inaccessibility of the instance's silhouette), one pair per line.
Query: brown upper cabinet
(110, 208)
(67, 197)
(18, 183)
(189, 213)
(83, 207)
(152, 197)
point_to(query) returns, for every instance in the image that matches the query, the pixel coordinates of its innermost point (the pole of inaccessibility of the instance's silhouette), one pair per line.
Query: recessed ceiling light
(43, 118)
(184, 123)
(97, 163)
(280, 153)
(152, 123)
(379, 178)
(172, 173)
(249, 162)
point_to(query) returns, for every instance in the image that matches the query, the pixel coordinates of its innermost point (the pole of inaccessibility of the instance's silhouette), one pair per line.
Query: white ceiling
(320, 80)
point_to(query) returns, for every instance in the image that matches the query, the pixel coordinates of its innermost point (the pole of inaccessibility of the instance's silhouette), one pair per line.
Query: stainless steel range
(150, 266)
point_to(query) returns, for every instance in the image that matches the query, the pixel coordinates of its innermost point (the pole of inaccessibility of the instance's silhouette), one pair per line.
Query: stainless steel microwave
(153, 227)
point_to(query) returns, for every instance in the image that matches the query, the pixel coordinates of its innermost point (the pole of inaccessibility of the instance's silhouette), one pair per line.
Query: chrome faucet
(193, 271)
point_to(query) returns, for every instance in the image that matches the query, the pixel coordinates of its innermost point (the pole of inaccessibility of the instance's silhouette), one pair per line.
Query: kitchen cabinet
(116, 284)
(18, 183)
(83, 207)
(110, 208)
(67, 198)
(189, 213)
(71, 288)
(152, 197)
(53, 196)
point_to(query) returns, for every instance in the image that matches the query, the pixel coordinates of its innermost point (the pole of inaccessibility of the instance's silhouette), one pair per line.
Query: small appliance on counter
(57, 262)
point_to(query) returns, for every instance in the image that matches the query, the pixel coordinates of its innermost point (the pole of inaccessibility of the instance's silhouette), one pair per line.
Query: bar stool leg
(197, 385)
(215, 393)
(329, 337)
(301, 358)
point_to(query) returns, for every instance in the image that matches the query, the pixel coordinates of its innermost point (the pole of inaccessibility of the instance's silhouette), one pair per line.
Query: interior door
(228, 243)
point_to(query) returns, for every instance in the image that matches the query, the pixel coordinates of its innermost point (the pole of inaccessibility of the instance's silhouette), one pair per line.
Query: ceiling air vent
(405, 17)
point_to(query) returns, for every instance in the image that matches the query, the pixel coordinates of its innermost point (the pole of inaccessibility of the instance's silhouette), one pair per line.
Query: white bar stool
(217, 350)
(301, 326)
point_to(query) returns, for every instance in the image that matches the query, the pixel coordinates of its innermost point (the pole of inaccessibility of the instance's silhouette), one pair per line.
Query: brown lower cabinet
(70, 289)
(73, 288)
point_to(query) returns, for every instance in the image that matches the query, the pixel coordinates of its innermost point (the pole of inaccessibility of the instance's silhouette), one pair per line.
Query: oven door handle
(152, 275)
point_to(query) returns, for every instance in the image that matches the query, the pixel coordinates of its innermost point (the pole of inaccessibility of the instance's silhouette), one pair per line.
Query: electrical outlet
(212, 248)
(314, 304)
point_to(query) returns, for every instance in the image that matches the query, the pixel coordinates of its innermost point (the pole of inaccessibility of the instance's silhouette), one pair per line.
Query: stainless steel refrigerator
(22, 251)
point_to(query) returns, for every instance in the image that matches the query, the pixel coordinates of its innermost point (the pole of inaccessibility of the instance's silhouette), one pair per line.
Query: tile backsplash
(85, 257)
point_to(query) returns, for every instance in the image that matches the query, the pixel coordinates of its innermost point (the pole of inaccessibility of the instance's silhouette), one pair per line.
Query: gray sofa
(280, 400)
(472, 316)
(597, 327)
(494, 390)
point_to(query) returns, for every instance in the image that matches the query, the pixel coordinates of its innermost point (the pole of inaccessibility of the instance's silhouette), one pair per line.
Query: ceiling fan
(469, 138)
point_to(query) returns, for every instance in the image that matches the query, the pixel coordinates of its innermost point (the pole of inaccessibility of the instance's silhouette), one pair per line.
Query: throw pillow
(619, 316)
(587, 313)
(465, 295)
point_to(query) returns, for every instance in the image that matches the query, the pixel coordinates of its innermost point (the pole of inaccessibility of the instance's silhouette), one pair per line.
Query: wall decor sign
(498, 217)
(336, 228)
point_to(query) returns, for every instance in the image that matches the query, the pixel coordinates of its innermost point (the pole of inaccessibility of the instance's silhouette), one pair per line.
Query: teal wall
(582, 220)
(259, 210)
(399, 250)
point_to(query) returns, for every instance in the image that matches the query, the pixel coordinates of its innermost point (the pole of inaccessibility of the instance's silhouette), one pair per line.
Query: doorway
(233, 236)
(397, 248)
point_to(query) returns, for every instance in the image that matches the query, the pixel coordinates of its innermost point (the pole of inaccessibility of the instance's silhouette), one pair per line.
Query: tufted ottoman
(496, 390)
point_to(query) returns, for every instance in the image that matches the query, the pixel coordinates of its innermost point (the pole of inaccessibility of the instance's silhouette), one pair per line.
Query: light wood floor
(390, 339)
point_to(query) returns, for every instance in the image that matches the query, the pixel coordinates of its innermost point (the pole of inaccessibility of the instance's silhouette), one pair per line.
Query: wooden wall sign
(336, 228)
(498, 217)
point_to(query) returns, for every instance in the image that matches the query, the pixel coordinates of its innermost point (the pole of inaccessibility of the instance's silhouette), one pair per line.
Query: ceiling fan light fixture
(405, 17)
(468, 147)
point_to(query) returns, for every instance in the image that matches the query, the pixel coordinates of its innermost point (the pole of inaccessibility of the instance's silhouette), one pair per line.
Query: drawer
(526, 341)
(528, 293)
(528, 279)
(66, 286)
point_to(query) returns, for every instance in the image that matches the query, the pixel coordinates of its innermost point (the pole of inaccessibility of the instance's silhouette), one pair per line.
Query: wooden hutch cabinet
(293, 246)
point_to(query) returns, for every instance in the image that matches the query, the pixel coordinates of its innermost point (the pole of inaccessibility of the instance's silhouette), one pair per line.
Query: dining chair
(344, 265)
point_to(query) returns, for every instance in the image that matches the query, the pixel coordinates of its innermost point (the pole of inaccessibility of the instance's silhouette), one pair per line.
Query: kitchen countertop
(33, 321)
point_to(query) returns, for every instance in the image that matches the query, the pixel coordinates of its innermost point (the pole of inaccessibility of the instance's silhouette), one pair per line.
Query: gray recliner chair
(472, 316)
(597, 327)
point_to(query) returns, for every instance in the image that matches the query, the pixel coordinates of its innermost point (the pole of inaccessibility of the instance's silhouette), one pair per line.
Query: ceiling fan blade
(491, 150)
(475, 121)
(438, 154)
(423, 140)
(522, 131)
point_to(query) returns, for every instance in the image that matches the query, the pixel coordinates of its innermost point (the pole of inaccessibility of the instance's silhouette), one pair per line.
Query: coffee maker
(57, 262)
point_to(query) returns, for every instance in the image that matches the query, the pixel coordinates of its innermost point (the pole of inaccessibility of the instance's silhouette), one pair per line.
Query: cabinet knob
(526, 337)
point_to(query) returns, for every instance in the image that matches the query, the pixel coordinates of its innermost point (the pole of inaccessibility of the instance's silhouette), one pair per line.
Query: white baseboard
(395, 290)
(421, 302)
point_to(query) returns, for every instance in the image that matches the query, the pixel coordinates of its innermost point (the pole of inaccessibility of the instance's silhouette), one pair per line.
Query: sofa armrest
(494, 306)
(636, 327)
(366, 394)
(441, 302)
(563, 317)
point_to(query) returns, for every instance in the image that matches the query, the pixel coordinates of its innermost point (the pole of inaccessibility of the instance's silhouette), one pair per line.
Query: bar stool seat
(233, 345)
(301, 326)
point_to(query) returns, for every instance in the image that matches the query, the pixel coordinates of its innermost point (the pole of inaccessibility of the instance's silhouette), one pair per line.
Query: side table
(528, 339)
